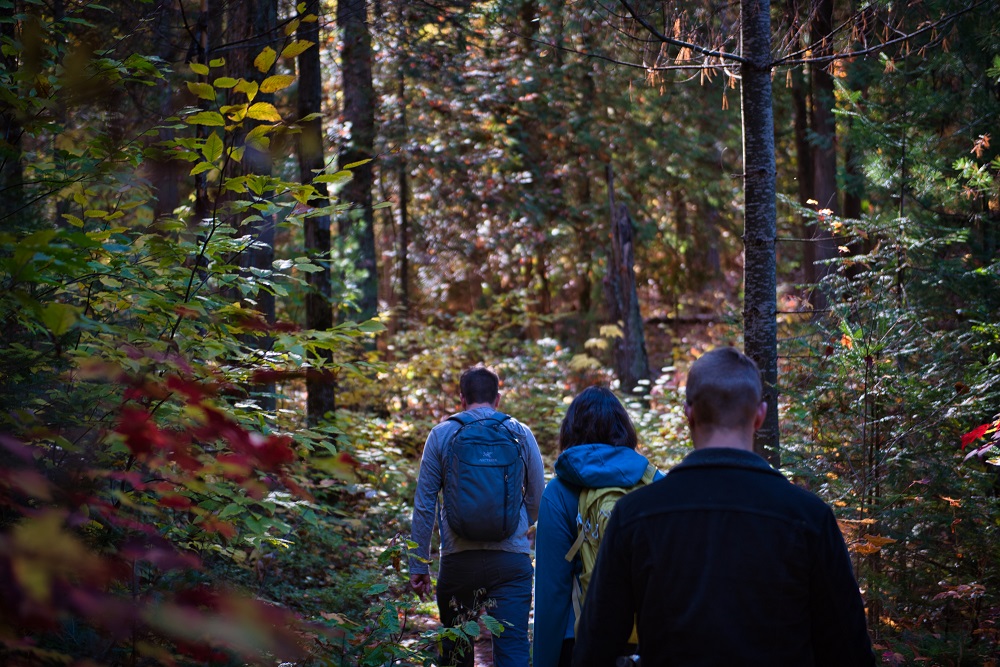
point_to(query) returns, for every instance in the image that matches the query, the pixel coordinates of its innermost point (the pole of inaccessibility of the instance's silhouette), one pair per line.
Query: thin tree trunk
(320, 386)
(359, 114)
(631, 360)
(760, 281)
(403, 249)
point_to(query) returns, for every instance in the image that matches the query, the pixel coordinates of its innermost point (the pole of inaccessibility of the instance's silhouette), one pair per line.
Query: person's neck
(720, 438)
(473, 406)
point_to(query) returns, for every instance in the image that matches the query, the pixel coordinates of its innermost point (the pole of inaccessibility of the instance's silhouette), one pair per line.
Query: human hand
(421, 585)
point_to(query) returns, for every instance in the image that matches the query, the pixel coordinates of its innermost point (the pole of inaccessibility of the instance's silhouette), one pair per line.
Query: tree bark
(824, 149)
(320, 386)
(359, 114)
(760, 282)
(12, 199)
(631, 360)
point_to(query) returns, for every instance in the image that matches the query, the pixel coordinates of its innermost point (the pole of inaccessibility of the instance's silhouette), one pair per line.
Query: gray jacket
(427, 505)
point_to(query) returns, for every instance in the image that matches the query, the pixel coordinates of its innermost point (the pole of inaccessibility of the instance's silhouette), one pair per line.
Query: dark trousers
(497, 583)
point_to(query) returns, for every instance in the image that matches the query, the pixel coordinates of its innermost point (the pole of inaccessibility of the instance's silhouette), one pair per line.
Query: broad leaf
(277, 82)
(265, 59)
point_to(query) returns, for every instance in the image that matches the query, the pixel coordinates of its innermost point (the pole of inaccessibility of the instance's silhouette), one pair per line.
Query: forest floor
(418, 625)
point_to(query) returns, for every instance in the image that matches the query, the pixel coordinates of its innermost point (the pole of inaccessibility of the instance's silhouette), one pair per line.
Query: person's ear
(496, 401)
(465, 404)
(688, 412)
(760, 416)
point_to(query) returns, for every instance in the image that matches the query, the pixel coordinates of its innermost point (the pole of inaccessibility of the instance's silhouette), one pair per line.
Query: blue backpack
(483, 479)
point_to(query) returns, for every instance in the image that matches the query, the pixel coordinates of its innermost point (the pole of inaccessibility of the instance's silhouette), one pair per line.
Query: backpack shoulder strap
(649, 475)
(460, 417)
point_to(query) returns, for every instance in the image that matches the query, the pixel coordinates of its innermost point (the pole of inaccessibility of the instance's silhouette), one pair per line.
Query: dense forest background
(247, 247)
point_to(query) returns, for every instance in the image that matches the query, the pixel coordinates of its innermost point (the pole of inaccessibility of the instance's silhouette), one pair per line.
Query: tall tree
(823, 145)
(760, 327)
(320, 388)
(357, 223)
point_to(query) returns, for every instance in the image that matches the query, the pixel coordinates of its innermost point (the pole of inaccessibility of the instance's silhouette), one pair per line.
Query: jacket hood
(598, 466)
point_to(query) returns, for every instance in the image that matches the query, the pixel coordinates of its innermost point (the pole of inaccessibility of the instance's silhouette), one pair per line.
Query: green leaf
(232, 509)
(265, 59)
(309, 268)
(377, 588)
(471, 628)
(73, 220)
(198, 68)
(201, 168)
(371, 326)
(203, 90)
(264, 111)
(212, 150)
(212, 118)
(217, 62)
(296, 48)
(59, 317)
(338, 177)
(277, 82)
(357, 164)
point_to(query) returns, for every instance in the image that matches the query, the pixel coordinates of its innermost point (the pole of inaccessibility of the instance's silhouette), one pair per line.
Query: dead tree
(630, 358)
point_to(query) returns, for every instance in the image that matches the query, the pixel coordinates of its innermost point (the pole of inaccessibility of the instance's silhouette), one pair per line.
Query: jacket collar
(725, 457)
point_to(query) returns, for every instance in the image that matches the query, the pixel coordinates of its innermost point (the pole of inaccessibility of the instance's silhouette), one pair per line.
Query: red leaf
(974, 434)
(275, 451)
(141, 435)
(175, 501)
(194, 391)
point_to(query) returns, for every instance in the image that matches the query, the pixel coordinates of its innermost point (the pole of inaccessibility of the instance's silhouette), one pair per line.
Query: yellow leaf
(265, 59)
(295, 48)
(198, 68)
(277, 82)
(59, 317)
(264, 111)
(213, 118)
(202, 90)
(248, 87)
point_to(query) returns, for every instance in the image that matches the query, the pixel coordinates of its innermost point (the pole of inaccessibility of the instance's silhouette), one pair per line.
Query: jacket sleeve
(837, 612)
(553, 574)
(425, 503)
(534, 476)
(610, 608)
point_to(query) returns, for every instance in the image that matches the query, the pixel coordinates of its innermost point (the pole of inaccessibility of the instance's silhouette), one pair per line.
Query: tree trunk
(12, 199)
(359, 114)
(631, 360)
(824, 148)
(320, 387)
(804, 165)
(760, 281)
(403, 232)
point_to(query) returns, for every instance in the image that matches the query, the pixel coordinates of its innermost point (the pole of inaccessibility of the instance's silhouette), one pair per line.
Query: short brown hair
(724, 388)
(479, 385)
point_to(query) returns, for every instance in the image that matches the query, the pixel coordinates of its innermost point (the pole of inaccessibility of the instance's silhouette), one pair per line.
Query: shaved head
(724, 389)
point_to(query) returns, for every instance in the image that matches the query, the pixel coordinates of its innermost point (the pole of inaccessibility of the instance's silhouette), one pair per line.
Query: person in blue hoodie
(597, 443)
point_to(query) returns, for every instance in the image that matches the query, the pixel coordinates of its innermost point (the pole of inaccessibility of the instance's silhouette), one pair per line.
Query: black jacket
(725, 562)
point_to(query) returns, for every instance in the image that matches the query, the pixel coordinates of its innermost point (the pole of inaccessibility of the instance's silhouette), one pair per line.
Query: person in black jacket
(724, 562)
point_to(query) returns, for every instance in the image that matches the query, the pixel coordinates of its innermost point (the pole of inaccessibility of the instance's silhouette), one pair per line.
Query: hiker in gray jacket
(489, 571)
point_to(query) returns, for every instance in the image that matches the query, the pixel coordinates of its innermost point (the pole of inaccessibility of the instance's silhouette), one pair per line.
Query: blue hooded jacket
(583, 466)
